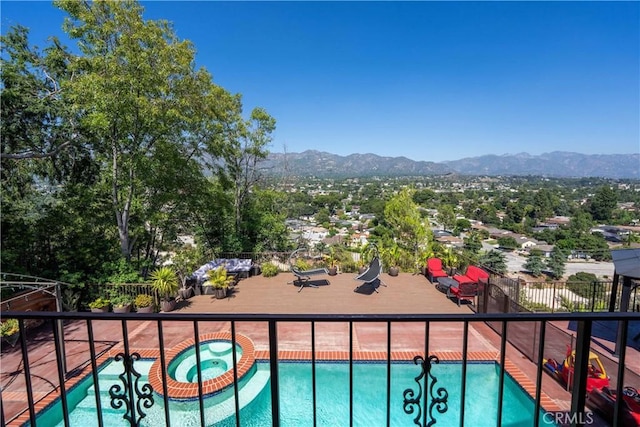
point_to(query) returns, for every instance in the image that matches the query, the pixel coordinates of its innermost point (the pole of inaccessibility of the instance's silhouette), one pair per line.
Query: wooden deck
(404, 294)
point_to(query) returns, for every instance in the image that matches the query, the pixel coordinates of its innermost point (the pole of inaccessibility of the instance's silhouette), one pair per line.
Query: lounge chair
(372, 273)
(303, 277)
(434, 269)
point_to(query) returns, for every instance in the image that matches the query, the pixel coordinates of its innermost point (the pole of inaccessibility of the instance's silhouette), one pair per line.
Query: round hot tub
(216, 366)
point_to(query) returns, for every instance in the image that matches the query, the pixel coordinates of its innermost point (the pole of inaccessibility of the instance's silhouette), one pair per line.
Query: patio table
(444, 283)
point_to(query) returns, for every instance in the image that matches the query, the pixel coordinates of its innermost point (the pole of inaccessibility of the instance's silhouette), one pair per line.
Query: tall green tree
(136, 91)
(535, 265)
(446, 216)
(51, 208)
(556, 262)
(473, 242)
(403, 217)
(603, 203)
(494, 261)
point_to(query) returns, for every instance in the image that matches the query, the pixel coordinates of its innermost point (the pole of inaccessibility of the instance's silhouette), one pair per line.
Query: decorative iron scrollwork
(439, 396)
(124, 395)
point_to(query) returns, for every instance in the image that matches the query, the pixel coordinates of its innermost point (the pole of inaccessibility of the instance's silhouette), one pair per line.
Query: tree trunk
(122, 216)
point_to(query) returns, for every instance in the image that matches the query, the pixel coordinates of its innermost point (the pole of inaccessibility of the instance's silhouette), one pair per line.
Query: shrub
(121, 300)
(9, 327)
(349, 267)
(269, 269)
(99, 303)
(302, 265)
(143, 300)
(585, 285)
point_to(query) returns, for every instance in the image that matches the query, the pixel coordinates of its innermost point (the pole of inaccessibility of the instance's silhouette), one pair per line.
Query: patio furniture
(303, 277)
(238, 267)
(434, 269)
(372, 273)
(463, 291)
(444, 283)
(473, 275)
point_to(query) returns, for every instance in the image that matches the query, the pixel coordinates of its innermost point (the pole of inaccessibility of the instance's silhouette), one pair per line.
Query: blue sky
(426, 80)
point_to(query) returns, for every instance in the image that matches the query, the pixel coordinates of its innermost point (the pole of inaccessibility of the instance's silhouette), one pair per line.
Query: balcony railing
(48, 363)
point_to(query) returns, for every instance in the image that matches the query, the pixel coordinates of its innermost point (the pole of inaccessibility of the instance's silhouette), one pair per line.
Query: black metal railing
(137, 397)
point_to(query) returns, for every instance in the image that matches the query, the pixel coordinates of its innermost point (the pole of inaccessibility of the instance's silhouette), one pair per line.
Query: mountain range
(555, 164)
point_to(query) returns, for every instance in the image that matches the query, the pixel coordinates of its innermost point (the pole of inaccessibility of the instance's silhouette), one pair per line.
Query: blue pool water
(296, 403)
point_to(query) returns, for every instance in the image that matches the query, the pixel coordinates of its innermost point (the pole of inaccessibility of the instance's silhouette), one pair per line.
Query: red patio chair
(463, 291)
(434, 269)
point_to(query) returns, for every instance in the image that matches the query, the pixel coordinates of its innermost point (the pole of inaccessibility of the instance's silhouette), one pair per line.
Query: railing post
(614, 292)
(579, 389)
(622, 330)
(273, 365)
(60, 326)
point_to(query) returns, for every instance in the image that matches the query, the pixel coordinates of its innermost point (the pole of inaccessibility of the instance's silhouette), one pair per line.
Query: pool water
(369, 397)
(332, 385)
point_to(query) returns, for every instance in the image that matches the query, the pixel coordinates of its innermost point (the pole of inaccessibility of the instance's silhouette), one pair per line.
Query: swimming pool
(332, 381)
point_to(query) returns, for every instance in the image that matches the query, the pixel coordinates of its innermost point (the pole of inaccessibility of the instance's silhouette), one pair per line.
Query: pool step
(214, 413)
(105, 384)
(115, 368)
(248, 392)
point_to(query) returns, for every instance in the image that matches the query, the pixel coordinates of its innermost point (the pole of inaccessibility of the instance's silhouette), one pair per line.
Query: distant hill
(321, 164)
(556, 164)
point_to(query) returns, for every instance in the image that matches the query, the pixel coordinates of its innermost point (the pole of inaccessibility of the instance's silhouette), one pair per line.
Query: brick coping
(178, 390)
(519, 377)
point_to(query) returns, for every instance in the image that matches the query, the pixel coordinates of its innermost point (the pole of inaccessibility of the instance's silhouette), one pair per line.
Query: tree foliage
(603, 203)
(446, 216)
(556, 263)
(508, 242)
(494, 261)
(106, 151)
(534, 265)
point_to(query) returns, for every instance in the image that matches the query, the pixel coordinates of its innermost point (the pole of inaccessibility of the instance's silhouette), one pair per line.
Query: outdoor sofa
(468, 283)
(238, 267)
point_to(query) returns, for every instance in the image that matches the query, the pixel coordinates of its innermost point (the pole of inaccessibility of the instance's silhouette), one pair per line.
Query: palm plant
(449, 259)
(219, 280)
(165, 282)
(392, 255)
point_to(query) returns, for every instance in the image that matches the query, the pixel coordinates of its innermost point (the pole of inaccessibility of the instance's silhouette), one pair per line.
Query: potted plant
(219, 281)
(423, 256)
(144, 303)
(99, 305)
(10, 331)
(165, 282)
(121, 303)
(331, 261)
(393, 254)
(185, 262)
(449, 260)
